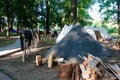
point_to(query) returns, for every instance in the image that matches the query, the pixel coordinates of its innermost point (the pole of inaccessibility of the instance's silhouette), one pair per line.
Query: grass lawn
(4, 41)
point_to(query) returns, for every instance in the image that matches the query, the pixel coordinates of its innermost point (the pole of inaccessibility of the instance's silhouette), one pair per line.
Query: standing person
(28, 38)
(21, 38)
(21, 41)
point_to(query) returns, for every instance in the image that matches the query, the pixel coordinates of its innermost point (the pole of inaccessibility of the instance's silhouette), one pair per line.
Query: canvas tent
(98, 33)
(78, 43)
(103, 32)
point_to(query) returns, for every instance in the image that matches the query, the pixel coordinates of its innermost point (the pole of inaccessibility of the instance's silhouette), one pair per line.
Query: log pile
(92, 68)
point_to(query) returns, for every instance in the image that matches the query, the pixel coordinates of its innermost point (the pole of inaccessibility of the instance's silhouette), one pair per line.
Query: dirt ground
(18, 70)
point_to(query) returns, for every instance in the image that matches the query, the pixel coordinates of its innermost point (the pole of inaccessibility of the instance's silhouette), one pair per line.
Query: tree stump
(65, 71)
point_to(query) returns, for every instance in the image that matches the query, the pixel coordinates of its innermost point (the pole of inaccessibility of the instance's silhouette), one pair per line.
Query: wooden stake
(50, 61)
(23, 56)
(38, 60)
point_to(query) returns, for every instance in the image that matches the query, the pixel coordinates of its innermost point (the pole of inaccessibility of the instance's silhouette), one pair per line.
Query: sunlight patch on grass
(6, 41)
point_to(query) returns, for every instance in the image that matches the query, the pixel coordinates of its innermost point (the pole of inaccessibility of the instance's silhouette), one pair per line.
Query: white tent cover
(63, 32)
(102, 31)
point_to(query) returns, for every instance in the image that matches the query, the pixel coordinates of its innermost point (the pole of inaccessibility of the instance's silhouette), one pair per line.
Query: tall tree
(74, 11)
(47, 16)
(110, 8)
(8, 11)
(83, 14)
(27, 13)
(118, 14)
(78, 9)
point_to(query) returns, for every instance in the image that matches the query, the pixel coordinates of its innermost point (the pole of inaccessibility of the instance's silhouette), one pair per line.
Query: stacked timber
(38, 60)
(92, 68)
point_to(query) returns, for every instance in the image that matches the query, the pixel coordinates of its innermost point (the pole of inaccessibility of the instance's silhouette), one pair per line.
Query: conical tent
(78, 43)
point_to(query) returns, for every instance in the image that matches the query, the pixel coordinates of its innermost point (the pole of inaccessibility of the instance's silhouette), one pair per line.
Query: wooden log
(117, 69)
(97, 71)
(84, 72)
(73, 75)
(59, 59)
(38, 60)
(92, 63)
(44, 60)
(106, 73)
(113, 70)
(77, 72)
(92, 77)
(65, 71)
(50, 60)
(96, 58)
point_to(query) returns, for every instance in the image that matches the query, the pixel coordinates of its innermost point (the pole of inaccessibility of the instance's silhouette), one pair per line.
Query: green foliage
(109, 9)
(26, 12)
(112, 30)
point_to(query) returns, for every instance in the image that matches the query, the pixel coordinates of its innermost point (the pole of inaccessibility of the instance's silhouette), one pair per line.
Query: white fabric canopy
(63, 32)
(102, 31)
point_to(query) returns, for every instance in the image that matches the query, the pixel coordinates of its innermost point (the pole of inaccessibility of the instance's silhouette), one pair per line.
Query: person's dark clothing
(21, 41)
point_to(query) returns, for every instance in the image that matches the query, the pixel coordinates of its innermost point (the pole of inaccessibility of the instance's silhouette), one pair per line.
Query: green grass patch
(3, 34)
(6, 41)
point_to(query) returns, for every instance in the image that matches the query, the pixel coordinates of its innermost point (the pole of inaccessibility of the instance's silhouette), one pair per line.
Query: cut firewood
(92, 63)
(93, 68)
(73, 75)
(77, 72)
(117, 69)
(50, 61)
(106, 74)
(96, 58)
(109, 67)
(114, 70)
(59, 59)
(65, 71)
(84, 72)
(38, 60)
(44, 60)
(97, 71)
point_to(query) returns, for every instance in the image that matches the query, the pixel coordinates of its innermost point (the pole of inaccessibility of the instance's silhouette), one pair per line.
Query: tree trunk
(63, 20)
(11, 24)
(0, 23)
(74, 11)
(48, 16)
(8, 28)
(118, 20)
